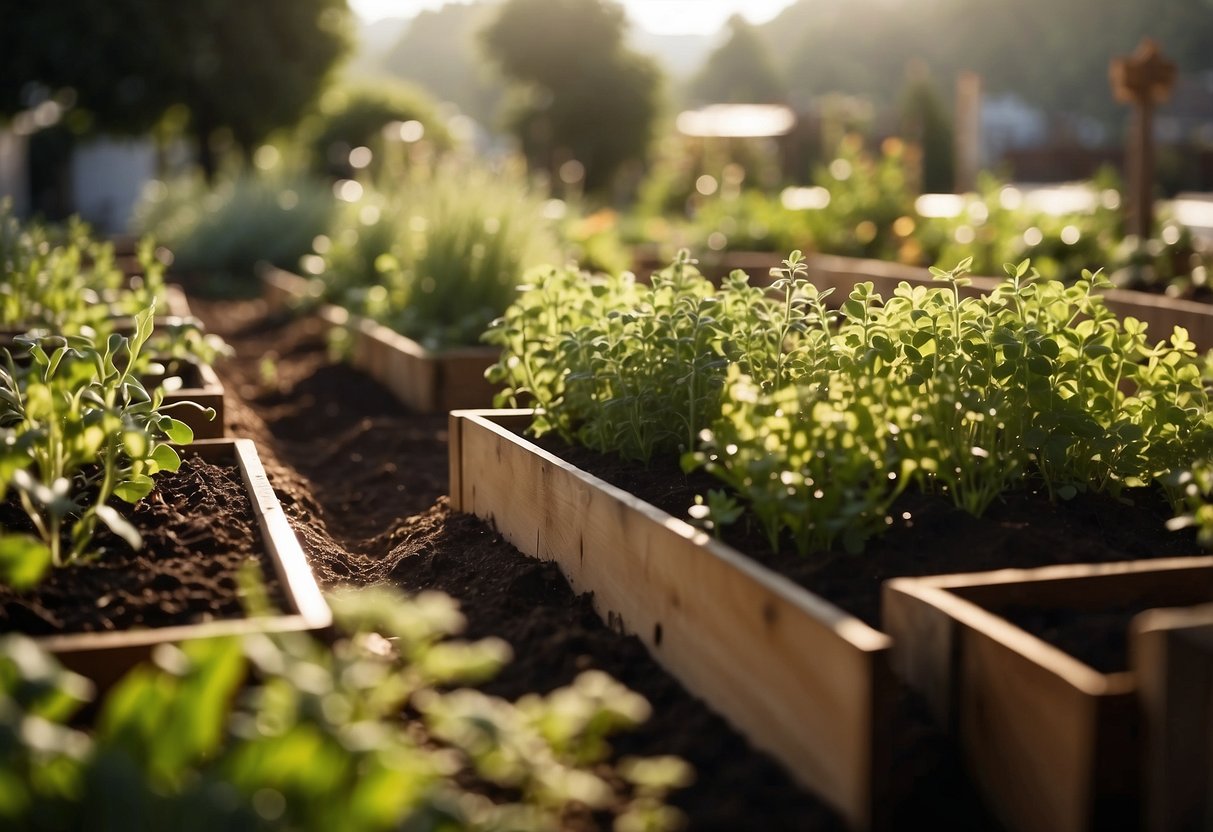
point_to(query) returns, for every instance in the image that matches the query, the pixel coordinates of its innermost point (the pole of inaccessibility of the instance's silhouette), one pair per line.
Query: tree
(581, 95)
(353, 115)
(247, 68)
(740, 71)
(925, 122)
(440, 51)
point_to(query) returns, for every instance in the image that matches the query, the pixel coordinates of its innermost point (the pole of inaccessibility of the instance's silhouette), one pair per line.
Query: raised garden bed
(1055, 743)
(201, 387)
(1160, 312)
(424, 380)
(104, 655)
(799, 677)
(1173, 665)
(752, 643)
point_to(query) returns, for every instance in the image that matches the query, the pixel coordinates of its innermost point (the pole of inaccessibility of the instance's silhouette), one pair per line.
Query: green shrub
(355, 115)
(64, 280)
(439, 256)
(222, 233)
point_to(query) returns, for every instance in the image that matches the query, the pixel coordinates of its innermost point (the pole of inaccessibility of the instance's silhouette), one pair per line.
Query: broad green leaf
(24, 560)
(166, 458)
(177, 432)
(134, 489)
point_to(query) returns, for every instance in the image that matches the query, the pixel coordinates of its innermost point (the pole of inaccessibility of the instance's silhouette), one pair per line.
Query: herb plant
(289, 732)
(819, 424)
(440, 256)
(78, 428)
(64, 285)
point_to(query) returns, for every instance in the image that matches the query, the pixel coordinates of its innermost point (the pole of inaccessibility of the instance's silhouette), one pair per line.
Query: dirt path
(363, 482)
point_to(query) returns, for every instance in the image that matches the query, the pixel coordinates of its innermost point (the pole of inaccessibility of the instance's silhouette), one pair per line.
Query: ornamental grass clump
(818, 420)
(77, 430)
(439, 256)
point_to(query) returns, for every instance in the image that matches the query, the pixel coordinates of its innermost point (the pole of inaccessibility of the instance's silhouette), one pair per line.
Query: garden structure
(1029, 417)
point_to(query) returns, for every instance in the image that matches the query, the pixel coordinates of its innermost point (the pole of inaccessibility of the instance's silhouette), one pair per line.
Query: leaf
(166, 458)
(23, 560)
(176, 431)
(134, 489)
(119, 525)
(136, 443)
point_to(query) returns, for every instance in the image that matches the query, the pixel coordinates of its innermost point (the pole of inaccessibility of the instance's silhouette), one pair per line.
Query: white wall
(107, 177)
(14, 172)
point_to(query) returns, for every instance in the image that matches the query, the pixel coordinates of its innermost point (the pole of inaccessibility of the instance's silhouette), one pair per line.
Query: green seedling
(370, 731)
(79, 429)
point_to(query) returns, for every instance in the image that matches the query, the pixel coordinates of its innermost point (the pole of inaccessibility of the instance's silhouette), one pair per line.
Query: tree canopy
(1052, 53)
(580, 94)
(740, 70)
(440, 50)
(249, 68)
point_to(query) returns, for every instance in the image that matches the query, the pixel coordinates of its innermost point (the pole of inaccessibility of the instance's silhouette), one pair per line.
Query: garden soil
(198, 531)
(363, 482)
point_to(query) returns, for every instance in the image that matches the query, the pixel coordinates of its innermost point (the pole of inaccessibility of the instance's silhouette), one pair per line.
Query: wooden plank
(1172, 652)
(802, 679)
(1027, 734)
(208, 394)
(1015, 701)
(461, 381)
(282, 290)
(925, 643)
(105, 656)
(425, 381)
(176, 303)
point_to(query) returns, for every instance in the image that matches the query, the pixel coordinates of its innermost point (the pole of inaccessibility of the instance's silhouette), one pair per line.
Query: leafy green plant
(64, 281)
(78, 428)
(223, 232)
(818, 426)
(290, 732)
(440, 256)
(639, 369)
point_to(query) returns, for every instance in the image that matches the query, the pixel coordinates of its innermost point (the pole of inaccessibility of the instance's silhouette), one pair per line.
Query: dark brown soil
(1098, 638)
(198, 532)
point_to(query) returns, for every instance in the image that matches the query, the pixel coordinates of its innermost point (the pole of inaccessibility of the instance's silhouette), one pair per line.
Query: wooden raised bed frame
(1172, 654)
(1053, 743)
(209, 393)
(105, 656)
(424, 380)
(802, 679)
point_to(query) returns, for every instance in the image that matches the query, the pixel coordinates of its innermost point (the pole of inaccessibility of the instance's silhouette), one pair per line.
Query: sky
(667, 17)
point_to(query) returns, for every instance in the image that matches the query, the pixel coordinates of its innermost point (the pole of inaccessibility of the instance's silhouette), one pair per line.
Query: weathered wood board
(801, 678)
(1172, 652)
(1052, 742)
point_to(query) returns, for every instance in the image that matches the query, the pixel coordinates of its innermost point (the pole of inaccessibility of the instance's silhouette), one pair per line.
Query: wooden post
(1142, 80)
(968, 131)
